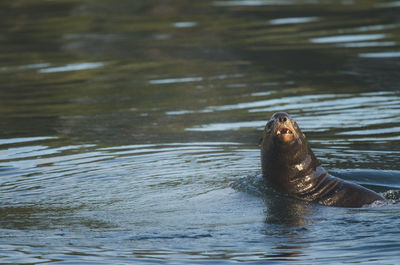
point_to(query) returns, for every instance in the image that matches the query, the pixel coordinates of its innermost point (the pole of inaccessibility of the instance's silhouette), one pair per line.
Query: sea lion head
(282, 130)
(283, 149)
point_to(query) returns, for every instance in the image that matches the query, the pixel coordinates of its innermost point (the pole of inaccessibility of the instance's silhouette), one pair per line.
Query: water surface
(129, 131)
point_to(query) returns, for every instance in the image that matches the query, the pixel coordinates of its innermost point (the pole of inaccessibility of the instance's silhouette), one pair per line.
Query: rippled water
(129, 131)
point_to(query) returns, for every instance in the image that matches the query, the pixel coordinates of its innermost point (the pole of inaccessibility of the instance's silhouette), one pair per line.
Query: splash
(392, 195)
(253, 184)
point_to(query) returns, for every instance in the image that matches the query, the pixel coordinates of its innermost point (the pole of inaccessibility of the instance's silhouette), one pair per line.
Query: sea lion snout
(281, 117)
(283, 127)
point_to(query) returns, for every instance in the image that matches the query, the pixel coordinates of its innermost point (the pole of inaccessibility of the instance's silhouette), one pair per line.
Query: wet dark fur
(292, 168)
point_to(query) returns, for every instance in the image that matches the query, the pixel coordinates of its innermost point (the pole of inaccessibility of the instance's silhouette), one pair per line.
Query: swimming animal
(290, 166)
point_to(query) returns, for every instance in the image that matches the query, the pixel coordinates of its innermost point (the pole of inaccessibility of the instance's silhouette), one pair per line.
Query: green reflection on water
(93, 70)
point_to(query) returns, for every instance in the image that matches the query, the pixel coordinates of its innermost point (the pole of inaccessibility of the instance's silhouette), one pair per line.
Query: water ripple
(292, 20)
(72, 67)
(40, 173)
(348, 38)
(24, 139)
(254, 3)
(175, 80)
(393, 54)
(317, 112)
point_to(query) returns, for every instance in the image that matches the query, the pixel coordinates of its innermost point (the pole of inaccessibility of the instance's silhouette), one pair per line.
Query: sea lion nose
(282, 119)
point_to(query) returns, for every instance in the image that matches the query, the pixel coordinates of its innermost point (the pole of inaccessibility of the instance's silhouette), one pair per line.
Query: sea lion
(289, 164)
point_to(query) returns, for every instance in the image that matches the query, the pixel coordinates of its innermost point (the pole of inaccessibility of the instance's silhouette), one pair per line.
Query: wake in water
(254, 184)
(391, 196)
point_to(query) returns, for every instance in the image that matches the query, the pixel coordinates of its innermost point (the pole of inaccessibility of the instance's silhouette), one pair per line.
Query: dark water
(124, 125)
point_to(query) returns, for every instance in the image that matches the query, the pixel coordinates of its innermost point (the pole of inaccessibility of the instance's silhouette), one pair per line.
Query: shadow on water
(288, 221)
(287, 211)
